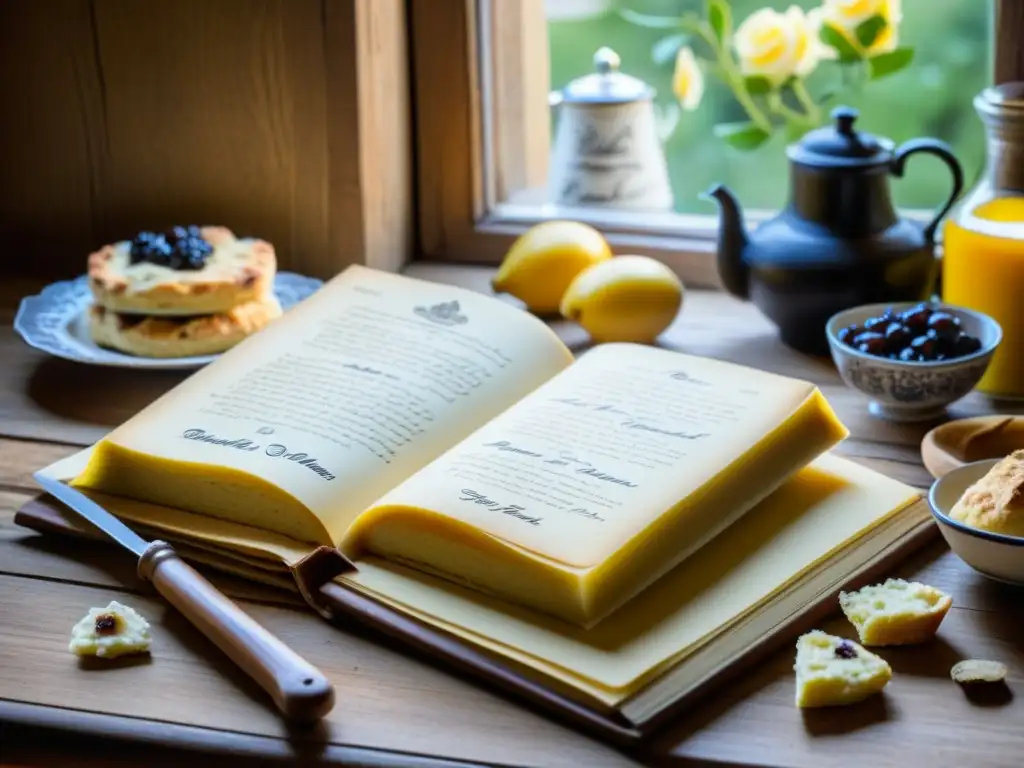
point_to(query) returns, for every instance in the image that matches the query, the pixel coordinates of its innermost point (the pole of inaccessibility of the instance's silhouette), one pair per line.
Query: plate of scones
(170, 300)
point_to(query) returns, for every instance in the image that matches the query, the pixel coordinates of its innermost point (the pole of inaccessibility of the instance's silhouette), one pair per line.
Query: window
(491, 109)
(931, 97)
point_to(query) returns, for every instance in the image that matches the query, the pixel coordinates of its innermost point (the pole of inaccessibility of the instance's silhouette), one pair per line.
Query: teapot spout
(732, 241)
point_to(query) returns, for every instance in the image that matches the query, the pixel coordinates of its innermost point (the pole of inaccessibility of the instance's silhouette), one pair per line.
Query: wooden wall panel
(132, 115)
(1009, 42)
(448, 115)
(384, 110)
(521, 80)
(50, 132)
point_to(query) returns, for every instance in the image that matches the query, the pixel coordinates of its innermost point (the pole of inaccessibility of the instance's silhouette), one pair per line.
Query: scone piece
(180, 336)
(116, 630)
(235, 271)
(896, 612)
(995, 502)
(832, 671)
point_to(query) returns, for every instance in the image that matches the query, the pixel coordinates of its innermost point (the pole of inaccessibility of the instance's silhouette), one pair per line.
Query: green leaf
(869, 30)
(887, 63)
(758, 85)
(833, 38)
(665, 50)
(652, 22)
(741, 135)
(720, 19)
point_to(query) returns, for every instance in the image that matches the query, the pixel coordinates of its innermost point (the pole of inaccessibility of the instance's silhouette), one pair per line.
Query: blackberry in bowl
(912, 359)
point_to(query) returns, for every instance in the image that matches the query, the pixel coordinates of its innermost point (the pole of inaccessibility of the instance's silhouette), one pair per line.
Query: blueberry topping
(106, 624)
(845, 651)
(178, 248)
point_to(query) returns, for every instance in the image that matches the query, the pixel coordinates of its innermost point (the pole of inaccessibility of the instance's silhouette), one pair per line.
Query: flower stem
(745, 100)
(730, 72)
(812, 110)
(776, 104)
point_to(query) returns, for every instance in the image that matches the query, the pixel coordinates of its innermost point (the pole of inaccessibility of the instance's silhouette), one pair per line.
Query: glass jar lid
(841, 144)
(1001, 102)
(606, 85)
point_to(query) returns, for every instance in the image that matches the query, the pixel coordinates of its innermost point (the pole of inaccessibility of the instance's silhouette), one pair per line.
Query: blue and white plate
(56, 321)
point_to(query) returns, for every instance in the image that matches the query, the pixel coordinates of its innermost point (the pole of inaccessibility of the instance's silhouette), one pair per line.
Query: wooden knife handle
(299, 689)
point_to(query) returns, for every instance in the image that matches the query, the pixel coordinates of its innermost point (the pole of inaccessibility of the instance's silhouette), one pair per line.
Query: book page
(828, 507)
(346, 395)
(588, 461)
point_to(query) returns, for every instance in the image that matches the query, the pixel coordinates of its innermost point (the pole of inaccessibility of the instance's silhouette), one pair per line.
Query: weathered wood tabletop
(186, 703)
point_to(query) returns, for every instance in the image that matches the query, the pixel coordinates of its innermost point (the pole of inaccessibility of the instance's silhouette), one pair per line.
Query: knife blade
(95, 514)
(300, 691)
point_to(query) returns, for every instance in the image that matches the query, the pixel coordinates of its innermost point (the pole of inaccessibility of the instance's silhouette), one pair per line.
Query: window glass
(931, 96)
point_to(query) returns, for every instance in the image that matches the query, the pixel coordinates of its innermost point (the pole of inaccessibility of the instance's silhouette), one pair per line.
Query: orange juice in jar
(983, 243)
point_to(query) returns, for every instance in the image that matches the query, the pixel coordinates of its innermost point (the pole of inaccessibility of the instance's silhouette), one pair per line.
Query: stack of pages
(614, 530)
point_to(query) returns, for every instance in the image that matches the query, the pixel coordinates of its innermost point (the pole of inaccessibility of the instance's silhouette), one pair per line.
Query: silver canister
(607, 152)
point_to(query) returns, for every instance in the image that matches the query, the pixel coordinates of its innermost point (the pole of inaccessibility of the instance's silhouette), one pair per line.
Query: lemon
(627, 298)
(544, 260)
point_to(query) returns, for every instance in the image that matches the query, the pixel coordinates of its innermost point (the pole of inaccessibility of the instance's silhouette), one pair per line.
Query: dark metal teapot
(839, 241)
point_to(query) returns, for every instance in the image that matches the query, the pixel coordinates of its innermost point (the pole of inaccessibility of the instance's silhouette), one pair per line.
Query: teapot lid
(606, 85)
(841, 145)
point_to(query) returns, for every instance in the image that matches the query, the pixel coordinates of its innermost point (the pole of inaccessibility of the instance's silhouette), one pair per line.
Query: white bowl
(912, 391)
(994, 555)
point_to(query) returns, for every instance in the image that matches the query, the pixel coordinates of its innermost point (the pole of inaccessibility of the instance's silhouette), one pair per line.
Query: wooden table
(397, 710)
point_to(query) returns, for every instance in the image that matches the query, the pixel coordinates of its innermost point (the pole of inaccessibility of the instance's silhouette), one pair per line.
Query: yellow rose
(845, 15)
(778, 45)
(688, 79)
(817, 50)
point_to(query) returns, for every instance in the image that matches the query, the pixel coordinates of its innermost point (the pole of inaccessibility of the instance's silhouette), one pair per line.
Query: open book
(594, 523)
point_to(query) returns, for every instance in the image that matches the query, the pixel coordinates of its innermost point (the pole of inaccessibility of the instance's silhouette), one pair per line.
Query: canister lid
(606, 85)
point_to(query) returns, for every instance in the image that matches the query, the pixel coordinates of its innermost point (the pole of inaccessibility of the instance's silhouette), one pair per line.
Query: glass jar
(983, 243)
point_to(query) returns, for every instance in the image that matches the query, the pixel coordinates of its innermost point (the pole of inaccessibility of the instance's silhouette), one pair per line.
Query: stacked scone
(188, 291)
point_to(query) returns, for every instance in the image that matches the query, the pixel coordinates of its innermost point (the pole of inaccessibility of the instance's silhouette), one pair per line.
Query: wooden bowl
(964, 441)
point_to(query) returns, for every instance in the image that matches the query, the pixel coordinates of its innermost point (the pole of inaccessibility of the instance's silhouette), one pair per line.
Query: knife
(300, 691)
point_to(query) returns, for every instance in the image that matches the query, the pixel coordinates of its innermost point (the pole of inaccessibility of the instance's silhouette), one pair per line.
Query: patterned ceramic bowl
(912, 391)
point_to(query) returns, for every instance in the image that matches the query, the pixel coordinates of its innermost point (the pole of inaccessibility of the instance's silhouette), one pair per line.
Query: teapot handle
(943, 152)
